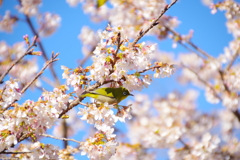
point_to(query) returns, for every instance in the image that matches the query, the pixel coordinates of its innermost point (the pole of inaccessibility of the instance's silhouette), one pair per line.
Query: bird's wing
(107, 92)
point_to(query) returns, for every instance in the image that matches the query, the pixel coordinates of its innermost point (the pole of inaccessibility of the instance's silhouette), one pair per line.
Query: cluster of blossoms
(67, 153)
(206, 148)
(48, 22)
(38, 151)
(225, 84)
(30, 119)
(9, 93)
(112, 62)
(232, 14)
(29, 8)
(137, 15)
(89, 39)
(219, 76)
(103, 144)
(164, 128)
(173, 122)
(7, 22)
(115, 60)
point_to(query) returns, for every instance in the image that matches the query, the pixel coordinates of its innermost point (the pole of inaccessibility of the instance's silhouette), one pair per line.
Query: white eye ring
(124, 93)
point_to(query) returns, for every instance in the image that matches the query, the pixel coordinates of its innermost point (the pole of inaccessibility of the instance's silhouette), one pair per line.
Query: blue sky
(210, 34)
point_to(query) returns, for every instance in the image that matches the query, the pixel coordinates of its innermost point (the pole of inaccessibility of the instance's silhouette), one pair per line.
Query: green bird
(110, 95)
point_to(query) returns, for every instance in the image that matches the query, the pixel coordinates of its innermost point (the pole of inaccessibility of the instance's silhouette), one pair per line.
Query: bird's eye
(124, 93)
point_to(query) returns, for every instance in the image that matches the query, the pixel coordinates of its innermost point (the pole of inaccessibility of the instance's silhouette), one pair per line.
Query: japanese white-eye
(110, 95)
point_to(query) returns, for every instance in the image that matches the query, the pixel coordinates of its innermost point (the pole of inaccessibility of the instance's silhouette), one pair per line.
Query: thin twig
(119, 43)
(63, 139)
(237, 114)
(199, 49)
(154, 23)
(14, 153)
(65, 132)
(39, 74)
(151, 68)
(185, 46)
(53, 59)
(223, 81)
(190, 43)
(83, 104)
(41, 47)
(48, 81)
(22, 137)
(236, 54)
(185, 145)
(204, 82)
(2, 92)
(28, 51)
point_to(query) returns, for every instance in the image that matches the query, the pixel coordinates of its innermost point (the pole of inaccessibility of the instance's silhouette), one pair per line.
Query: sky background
(210, 34)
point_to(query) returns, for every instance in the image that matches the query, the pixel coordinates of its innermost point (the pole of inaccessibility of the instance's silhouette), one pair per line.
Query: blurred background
(210, 34)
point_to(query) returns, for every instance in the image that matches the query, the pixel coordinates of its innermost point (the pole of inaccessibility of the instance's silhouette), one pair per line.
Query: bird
(108, 94)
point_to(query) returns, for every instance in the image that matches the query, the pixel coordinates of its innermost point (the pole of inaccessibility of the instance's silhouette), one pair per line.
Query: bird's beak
(131, 95)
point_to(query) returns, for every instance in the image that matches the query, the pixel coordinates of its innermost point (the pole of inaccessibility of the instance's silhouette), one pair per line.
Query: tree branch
(63, 139)
(190, 43)
(14, 153)
(185, 46)
(42, 48)
(236, 54)
(203, 81)
(28, 51)
(237, 114)
(154, 23)
(152, 68)
(53, 59)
